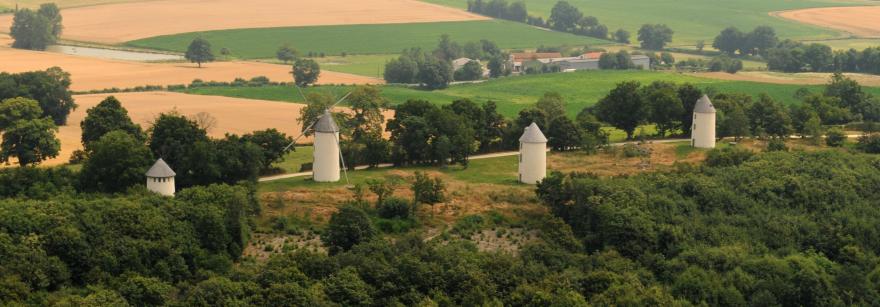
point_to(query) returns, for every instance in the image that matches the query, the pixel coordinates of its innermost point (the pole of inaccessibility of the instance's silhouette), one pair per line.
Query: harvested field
(95, 74)
(233, 115)
(863, 21)
(788, 78)
(124, 22)
(60, 3)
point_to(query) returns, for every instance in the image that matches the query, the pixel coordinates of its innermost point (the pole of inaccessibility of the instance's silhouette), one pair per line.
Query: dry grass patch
(787, 78)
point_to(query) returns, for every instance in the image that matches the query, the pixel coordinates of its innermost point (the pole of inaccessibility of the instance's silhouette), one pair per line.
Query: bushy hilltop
(778, 228)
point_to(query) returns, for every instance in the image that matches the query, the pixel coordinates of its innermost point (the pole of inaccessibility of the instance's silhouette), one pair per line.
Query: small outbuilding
(703, 129)
(532, 155)
(160, 178)
(325, 166)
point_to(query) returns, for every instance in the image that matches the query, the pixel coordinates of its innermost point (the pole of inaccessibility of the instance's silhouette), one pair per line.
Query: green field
(367, 39)
(691, 20)
(580, 89)
(844, 44)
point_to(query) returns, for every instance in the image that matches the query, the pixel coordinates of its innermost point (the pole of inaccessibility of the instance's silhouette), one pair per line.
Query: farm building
(517, 59)
(586, 61)
(532, 155)
(703, 130)
(459, 63)
(160, 178)
(325, 166)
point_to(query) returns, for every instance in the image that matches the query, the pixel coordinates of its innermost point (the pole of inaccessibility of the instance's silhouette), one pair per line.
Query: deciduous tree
(199, 51)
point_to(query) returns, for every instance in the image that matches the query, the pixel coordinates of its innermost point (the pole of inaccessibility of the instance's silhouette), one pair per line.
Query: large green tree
(623, 108)
(30, 141)
(51, 88)
(347, 228)
(118, 160)
(108, 116)
(564, 17)
(34, 30)
(199, 51)
(729, 41)
(306, 72)
(655, 36)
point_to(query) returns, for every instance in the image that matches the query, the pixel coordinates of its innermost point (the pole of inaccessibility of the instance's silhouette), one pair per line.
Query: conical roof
(160, 169)
(533, 134)
(326, 123)
(704, 105)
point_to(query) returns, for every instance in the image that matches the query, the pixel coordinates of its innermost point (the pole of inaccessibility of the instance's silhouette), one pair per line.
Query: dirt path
(787, 78)
(95, 74)
(117, 23)
(863, 21)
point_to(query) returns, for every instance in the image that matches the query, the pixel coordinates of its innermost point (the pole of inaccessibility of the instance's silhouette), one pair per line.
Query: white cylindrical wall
(325, 167)
(703, 131)
(161, 186)
(532, 162)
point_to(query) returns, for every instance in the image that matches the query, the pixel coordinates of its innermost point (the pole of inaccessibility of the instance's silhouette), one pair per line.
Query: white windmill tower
(327, 156)
(532, 155)
(703, 130)
(327, 160)
(160, 178)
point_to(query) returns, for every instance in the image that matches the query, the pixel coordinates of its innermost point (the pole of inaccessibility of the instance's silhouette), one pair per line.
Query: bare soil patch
(788, 78)
(95, 74)
(861, 21)
(117, 23)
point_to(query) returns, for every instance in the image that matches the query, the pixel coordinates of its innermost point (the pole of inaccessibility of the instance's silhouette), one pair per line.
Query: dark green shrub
(730, 156)
(869, 143)
(835, 137)
(776, 144)
(394, 207)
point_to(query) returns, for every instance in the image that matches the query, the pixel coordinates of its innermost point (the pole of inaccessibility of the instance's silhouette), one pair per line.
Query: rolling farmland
(368, 39)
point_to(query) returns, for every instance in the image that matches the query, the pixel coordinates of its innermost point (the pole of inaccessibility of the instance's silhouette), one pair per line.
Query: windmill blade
(303, 133)
(342, 158)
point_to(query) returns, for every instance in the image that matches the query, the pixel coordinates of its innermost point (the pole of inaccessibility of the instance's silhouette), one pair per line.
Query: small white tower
(325, 166)
(532, 155)
(160, 178)
(703, 130)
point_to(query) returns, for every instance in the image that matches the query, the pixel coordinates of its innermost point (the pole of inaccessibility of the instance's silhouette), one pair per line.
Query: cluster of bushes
(434, 69)
(616, 60)
(50, 88)
(629, 105)
(720, 63)
(36, 30)
(700, 235)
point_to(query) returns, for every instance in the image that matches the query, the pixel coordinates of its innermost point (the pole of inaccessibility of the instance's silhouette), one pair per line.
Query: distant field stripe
(367, 39)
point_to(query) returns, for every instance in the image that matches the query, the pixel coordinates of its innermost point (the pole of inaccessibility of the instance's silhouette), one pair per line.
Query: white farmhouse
(532, 155)
(703, 130)
(325, 166)
(160, 178)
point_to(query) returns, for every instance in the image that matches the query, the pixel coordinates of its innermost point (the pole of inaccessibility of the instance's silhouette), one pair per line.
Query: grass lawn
(493, 171)
(580, 89)
(691, 20)
(366, 39)
(295, 159)
(372, 65)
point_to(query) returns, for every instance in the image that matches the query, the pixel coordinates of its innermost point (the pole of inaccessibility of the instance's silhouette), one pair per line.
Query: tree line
(670, 107)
